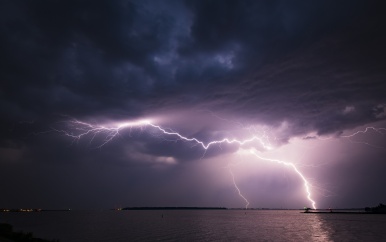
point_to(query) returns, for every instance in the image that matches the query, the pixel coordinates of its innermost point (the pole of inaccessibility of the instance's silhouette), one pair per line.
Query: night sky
(304, 76)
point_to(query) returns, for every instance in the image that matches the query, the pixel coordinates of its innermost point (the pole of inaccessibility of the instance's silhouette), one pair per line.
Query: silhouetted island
(380, 209)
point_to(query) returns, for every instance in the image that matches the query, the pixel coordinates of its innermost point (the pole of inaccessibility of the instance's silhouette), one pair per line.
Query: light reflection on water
(199, 225)
(320, 231)
(354, 227)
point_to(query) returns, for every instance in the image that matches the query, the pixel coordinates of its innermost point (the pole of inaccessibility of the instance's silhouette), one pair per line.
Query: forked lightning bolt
(81, 129)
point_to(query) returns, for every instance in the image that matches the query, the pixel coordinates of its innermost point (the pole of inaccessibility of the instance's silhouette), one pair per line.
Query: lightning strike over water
(292, 165)
(82, 129)
(237, 188)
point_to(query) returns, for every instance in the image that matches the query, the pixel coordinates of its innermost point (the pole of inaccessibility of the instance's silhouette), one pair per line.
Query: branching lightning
(381, 131)
(82, 129)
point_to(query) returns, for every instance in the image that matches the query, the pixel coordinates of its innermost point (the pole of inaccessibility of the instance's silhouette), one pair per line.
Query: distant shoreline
(173, 208)
(342, 212)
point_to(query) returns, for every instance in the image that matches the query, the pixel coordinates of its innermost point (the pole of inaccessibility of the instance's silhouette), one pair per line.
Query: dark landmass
(339, 212)
(380, 209)
(56, 210)
(173, 208)
(6, 231)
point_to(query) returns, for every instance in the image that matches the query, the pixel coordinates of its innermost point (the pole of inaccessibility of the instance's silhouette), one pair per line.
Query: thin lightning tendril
(378, 130)
(238, 190)
(111, 132)
(381, 131)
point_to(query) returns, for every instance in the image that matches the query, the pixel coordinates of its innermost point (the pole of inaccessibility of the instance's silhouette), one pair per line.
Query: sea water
(199, 225)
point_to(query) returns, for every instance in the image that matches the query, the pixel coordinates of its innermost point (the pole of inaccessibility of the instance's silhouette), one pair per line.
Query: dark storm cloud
(316, 65)
(301, 63)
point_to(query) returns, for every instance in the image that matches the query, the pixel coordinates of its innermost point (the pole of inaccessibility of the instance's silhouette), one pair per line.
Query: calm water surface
(199, 225)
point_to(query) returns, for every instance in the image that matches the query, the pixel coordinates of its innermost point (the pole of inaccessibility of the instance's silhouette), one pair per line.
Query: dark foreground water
(199, 225)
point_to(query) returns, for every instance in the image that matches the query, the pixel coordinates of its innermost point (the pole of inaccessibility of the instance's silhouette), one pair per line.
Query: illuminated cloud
(348, 109)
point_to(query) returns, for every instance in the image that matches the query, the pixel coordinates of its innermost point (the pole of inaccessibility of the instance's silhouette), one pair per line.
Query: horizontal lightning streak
(111, 132)
(378, 130)
(207, 145)
(381, 131)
